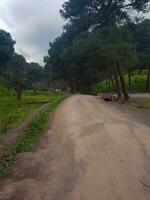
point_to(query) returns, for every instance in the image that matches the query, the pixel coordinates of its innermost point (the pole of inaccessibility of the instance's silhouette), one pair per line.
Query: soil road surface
(93, 151)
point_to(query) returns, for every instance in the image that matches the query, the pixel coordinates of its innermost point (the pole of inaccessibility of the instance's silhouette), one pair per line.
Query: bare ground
(93, 151)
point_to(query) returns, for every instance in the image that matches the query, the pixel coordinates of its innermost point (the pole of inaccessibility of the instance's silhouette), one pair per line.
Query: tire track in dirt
(91, 151)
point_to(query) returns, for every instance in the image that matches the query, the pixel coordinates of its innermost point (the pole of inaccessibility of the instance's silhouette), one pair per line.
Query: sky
(32, 24)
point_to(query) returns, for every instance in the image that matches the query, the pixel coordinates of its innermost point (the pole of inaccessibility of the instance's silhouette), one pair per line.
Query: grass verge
(13, 112)
(144, 104)
(27, 142)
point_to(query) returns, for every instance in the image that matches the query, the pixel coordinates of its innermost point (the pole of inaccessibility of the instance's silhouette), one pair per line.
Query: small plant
(5, 124)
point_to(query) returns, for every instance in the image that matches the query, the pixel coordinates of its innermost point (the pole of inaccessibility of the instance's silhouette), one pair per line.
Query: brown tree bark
(129, 79)
(118, 85)
(112, 82)
(18, 92)
(122, 81)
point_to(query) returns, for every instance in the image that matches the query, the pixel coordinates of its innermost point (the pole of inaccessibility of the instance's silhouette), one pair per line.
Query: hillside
(138, 84)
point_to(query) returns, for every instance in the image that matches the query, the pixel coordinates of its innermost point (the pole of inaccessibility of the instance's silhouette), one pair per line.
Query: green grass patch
(144, 104)
(101, 88)
(13, 112)
(138, 84)
(28, 141)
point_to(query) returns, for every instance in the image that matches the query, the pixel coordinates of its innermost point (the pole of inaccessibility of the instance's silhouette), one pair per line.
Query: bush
(138, 84)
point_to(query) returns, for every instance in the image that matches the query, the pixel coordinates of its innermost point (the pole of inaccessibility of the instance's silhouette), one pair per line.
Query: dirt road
(93, 151)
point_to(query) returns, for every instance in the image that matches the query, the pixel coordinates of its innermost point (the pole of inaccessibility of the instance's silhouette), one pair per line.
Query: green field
(13, 112)
(138, 84)
(30, 138)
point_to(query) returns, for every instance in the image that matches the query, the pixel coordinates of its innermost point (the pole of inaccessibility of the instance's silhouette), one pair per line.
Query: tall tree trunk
(34, 90)
(73, 86)
(18, 92)
(129, 79)
(112, 82)
(118, 85)
(148, 80)
(122, 81)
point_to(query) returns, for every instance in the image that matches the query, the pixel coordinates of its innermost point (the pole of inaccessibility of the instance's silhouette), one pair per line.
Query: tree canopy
(101, 13)
(6, 47)
(15, 71)
(101, 39)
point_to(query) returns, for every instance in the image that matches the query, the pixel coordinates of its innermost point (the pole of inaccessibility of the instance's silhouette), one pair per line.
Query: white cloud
(32, 23)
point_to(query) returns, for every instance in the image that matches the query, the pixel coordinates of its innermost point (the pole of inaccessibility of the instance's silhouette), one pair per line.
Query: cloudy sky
(32, 24)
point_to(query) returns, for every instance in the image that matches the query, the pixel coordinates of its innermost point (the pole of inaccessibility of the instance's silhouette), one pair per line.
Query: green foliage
(142, 36)
(6, 48)
(36, 128)
(101, 88)
(5, 91)
(16, 74)
(101, 39)
(28, 141)
(13, 112)
(138, 82)
(91, 54)
(100, 13)
(34, 76)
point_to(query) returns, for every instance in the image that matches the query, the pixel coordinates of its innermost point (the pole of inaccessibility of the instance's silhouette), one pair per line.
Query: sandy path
(93, 151)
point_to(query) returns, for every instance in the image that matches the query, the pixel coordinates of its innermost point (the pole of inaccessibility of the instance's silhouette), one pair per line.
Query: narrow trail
(92, 151)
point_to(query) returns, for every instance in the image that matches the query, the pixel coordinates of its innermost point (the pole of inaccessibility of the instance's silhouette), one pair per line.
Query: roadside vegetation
(14, 112)
(144, 104)
(25, 93)
(138, 84)
(30, 138)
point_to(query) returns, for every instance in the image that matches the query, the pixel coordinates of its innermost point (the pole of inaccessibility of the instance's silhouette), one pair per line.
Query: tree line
(102, 39)
(15, 72)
